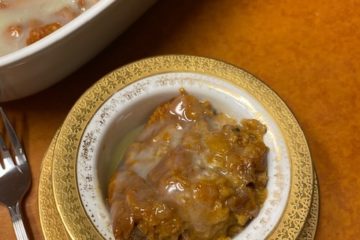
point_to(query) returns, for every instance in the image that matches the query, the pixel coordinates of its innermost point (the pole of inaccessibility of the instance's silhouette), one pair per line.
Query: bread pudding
(192, 173)
(24, 22)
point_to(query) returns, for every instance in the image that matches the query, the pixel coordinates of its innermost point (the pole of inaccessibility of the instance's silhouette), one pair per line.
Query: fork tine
(2, 170)
(7, 160)
(15, 143)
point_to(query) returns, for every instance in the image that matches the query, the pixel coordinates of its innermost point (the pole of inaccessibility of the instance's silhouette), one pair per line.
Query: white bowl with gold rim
(89, 140)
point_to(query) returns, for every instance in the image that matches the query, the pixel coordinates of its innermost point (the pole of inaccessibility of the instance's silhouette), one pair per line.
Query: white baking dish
(40, 65)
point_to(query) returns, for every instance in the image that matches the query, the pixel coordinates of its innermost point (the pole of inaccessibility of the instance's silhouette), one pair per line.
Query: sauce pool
(23, 22)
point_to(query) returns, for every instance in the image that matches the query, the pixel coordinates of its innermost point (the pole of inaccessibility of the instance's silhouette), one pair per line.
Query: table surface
(307, 51)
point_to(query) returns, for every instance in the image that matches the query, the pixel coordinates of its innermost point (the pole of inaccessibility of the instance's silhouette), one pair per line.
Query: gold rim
(66, 193)
(51, 224)
(310, 226)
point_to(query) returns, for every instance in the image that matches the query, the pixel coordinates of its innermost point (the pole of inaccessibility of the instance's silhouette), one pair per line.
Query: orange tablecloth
(307, 51)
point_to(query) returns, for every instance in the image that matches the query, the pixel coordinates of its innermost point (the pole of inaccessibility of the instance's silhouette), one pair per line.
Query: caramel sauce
(39, 32)
(190, 174)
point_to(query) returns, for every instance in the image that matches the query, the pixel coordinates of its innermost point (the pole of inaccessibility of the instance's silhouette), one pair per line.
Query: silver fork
(15, 177)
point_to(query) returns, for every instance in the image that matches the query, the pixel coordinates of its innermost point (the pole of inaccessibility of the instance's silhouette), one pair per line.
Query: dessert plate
(123, 98)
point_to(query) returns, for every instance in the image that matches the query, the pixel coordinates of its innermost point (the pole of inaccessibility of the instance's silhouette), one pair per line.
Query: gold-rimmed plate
(77, 216)
(51, 224)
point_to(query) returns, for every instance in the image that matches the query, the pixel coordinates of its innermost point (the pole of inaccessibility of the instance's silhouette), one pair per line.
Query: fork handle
(18, 223)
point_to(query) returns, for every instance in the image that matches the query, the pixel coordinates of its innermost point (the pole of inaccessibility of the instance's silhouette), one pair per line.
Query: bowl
(105, 119)
(47, 61)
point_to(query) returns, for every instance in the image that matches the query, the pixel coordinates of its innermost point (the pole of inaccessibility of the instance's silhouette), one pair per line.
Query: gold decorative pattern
(51, 223)
(309, 230)
(66, 193)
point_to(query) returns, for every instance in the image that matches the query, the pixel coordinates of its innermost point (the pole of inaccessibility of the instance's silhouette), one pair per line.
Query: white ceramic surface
(40, 65)
(130, 107)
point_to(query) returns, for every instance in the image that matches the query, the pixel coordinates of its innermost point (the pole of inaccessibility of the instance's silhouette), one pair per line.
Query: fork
(15, 177)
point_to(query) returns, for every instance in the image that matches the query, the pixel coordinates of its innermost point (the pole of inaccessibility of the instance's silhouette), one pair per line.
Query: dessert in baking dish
(192, 173)
(24, 22)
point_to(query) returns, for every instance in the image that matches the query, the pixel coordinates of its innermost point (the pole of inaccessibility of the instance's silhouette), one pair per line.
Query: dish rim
(56, 36)
(66, 192)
